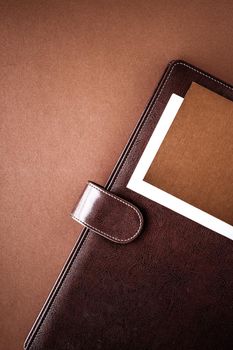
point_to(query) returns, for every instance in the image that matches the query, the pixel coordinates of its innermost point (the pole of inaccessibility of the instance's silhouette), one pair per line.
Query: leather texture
(108, 215)
(171, 288)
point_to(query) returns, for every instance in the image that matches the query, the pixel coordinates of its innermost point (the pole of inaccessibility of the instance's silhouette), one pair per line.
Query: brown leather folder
(142, 276)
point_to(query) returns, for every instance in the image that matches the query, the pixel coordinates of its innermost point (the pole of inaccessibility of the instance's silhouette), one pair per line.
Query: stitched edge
(122, 166)
(124, 202)
(155, 101)
(104, 234)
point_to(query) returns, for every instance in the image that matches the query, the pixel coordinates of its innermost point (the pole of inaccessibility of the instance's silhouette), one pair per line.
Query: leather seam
(122, 201)
(119, 171)
(101, 232)
(155, 102)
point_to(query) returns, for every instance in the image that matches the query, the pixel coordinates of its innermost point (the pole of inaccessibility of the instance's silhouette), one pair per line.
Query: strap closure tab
(108, 215)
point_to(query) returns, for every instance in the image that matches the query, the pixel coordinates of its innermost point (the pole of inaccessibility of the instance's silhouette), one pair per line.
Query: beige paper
(195, 160)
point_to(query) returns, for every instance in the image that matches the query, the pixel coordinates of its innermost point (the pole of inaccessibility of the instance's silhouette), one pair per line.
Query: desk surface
(75, 77)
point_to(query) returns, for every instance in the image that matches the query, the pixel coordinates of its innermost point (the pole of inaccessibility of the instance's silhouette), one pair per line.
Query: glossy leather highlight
(108, 215)
(170, 289)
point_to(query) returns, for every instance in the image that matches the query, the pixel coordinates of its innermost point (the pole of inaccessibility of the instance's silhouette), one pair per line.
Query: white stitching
(146, 119)
(120, 200)
(30, 342)
(103, 233)
(147, 116)
(205, 75)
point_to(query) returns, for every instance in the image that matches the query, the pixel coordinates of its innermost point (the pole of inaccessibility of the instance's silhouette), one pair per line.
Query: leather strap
(108, 215)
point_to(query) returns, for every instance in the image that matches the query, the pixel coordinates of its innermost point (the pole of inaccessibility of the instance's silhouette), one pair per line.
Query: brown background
(75, 76)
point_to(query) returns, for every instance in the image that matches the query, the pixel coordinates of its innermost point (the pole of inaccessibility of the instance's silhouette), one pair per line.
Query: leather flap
(108, 215)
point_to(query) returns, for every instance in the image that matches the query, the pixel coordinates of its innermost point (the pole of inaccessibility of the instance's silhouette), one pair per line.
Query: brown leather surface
(108, 215)
(75, 76)
(163, 290)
